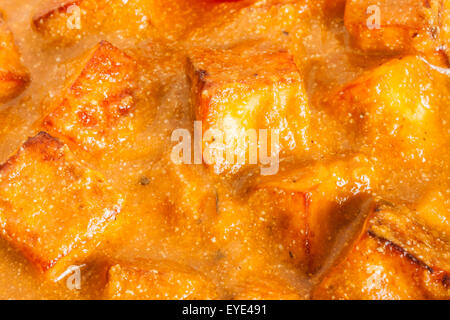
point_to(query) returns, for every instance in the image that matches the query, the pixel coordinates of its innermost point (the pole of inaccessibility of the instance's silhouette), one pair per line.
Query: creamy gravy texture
(188, 214)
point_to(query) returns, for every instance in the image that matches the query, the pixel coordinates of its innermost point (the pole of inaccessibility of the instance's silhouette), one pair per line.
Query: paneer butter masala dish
(224, 149)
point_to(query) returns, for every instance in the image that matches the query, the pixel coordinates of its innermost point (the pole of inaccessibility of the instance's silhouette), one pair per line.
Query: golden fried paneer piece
(422, 232)
(52, 208)
(161, 281)
(97, 105)
(374, 270)
(13, 75)
(389, 26)
(308, 206)
(245, 89)
(230, 23)
(401, 254)
(64, 22)
(397, 107)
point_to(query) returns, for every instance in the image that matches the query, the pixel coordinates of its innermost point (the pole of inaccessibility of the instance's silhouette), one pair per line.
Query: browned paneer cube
(97, 106)
(160, 281)
(397, 107)
(13, 75)
(401, 254)
(64, 22)
(52, 208)
(307, 207)
(389, 26)
(238, 91)
(422, 232)
(373, 270)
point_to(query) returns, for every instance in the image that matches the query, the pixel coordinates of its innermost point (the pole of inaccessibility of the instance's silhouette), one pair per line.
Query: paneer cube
(373, 270)
(64, 22)
(13, 75)
(307, 207)
(388, 26)
(52, 208)
(97, 107)
(422, 232)
(398, 255)
(398, 107)
(244, 89)
(160, 281)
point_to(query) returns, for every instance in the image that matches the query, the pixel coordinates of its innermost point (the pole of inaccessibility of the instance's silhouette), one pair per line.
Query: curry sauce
(356, 91)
